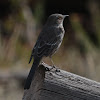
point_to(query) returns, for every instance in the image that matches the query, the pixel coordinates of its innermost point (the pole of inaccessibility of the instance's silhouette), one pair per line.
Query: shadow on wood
(61, 85)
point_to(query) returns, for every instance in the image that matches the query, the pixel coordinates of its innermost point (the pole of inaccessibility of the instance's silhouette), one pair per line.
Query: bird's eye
(60, 18)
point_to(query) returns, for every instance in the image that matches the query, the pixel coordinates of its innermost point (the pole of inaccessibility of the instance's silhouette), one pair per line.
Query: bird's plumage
(47, 43)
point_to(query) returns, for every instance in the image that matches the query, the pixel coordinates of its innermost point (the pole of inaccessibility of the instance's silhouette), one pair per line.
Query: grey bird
(47, 43)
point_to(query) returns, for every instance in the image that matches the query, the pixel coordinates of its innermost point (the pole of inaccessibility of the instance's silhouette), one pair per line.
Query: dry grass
(15, 50)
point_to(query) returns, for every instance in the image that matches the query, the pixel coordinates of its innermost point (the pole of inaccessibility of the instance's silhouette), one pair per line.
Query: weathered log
(61, 85)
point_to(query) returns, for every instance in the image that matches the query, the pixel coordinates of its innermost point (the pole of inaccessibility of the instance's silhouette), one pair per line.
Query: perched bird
(47, 43)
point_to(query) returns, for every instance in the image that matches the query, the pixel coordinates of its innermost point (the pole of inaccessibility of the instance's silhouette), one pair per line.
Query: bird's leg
(42, 62)
(53, 65)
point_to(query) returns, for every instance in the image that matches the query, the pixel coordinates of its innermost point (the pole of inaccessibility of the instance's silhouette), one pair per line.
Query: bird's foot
(55, 68)
(42, 63)
(47, 69)
(52, 68)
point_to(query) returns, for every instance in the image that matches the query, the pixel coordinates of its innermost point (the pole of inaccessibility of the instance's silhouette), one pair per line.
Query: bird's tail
(31, 73)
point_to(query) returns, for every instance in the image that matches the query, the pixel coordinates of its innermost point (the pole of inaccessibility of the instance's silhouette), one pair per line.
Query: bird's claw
(47, 69)
(56, 68)
(53, 68)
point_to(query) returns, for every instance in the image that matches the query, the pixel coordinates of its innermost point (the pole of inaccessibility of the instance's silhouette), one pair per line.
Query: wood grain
(61, 85)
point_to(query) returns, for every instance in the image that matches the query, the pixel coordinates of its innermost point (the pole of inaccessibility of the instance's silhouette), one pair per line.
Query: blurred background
(21, 22)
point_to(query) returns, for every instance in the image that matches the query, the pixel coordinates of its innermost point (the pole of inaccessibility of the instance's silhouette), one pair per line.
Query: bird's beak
(65, 16)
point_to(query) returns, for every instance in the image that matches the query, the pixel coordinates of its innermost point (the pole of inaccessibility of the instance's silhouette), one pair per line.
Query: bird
(48, 42)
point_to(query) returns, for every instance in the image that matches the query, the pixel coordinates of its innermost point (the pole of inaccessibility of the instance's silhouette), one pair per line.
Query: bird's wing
(32, 54)
(45, 47)
(46, 42)
(49, 42)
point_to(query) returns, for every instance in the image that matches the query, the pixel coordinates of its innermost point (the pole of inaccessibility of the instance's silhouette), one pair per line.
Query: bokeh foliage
(21, 22)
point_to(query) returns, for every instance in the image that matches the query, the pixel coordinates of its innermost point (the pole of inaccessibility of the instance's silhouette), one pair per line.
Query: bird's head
(56, 19)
